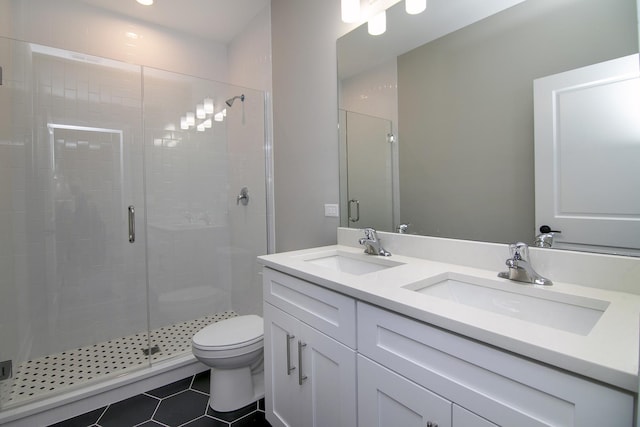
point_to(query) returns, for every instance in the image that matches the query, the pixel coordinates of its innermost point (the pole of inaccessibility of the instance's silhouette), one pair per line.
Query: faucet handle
(370, 234)
(519, 250)
(544, 229)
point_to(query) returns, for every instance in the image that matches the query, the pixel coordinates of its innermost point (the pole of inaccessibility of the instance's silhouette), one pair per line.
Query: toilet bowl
(233, 348)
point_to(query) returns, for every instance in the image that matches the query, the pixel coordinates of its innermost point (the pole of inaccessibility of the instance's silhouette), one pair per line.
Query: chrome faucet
(372, 244)
(520, 268)
(545, 238)
(402, 228)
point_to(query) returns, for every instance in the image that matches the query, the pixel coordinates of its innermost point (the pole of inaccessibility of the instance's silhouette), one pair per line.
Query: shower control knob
(243, 196)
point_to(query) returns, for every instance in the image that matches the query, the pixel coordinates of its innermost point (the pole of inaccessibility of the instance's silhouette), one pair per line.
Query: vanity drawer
(501, 387)
(329, 312)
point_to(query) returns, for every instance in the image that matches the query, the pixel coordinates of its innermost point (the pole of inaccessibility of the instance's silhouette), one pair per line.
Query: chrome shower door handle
(289, 367)
(132, 224)
(351, 217)
(301, 378)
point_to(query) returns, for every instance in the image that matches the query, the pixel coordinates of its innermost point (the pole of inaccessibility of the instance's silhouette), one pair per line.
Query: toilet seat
(229, 334)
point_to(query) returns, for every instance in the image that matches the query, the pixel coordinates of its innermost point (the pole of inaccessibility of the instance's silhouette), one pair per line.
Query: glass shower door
(367, 150)
(73, 292)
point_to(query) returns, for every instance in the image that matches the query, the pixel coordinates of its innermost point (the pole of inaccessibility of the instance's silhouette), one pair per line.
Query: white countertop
(609, 353)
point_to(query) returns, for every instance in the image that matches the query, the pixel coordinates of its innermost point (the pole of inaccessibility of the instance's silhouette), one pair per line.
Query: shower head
(230, 100)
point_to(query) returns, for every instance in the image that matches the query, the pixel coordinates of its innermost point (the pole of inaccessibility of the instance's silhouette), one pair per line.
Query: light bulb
(145, 2)
(200, 111)
(208, 105)
(413, 7)
(350, 10)
(378, 24)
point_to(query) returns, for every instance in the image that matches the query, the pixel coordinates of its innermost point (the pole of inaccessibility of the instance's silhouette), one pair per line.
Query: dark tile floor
(183, 403)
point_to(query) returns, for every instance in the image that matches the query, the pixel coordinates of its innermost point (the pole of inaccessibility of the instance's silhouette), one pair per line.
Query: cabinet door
(464, 418)
(327, 373)
(282, 392)
(387, 399)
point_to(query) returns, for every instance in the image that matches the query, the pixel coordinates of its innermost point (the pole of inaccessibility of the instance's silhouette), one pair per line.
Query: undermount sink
(566, 312)
(345, 262)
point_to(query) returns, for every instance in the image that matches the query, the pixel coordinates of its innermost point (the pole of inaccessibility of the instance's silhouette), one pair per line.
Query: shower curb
(77, 402)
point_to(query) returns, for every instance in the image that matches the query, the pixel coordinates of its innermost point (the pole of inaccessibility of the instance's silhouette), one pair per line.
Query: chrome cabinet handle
(301, 378)
(132, 224)
(351, 217)
(289, 367)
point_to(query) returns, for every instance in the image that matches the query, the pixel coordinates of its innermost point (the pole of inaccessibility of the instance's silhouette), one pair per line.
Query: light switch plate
(331, 210)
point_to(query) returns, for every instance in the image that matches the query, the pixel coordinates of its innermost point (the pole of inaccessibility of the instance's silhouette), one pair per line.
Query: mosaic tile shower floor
(58, 372)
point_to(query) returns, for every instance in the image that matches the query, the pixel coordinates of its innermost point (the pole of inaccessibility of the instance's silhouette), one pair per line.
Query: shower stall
(133, 202)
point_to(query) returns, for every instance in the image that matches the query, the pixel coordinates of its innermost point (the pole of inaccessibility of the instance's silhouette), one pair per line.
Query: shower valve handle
(243, 197)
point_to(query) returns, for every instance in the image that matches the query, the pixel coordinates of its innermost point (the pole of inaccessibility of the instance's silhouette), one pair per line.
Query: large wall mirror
(456, 84)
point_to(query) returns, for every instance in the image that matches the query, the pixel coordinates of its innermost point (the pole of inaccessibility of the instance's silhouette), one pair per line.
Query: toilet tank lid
(235, 330)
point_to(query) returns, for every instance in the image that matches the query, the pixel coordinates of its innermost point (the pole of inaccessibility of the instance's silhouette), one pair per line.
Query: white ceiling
(217, 20)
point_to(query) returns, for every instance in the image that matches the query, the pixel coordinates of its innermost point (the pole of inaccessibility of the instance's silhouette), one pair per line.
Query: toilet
(233, 348)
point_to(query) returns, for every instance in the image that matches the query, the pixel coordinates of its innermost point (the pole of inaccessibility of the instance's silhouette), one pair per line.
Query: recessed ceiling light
(145, 2)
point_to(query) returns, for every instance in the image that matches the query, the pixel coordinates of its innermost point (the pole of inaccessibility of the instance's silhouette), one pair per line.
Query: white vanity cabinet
(477, 384)
(387, 399)
(404, 372)
(310, 360)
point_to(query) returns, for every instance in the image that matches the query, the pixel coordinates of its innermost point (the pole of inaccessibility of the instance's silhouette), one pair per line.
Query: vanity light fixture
(378, 24)
(414, 7)
(350, 10)
(145, 2)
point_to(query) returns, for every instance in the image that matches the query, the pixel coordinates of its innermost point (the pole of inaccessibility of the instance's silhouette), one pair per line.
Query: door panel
(587, 151)
(70, 144)
(369, 171)
(282, 397)
(387, 399)
(329, 392)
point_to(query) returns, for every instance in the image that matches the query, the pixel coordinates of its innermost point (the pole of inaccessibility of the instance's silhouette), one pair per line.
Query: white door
(387, 399)
(369, 172)
(587, 155)
(310, 379)
(328, 377)
(282, 393)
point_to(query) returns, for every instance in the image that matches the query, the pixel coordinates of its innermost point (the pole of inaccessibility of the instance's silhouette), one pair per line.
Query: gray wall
(305, 117)
(466, 112)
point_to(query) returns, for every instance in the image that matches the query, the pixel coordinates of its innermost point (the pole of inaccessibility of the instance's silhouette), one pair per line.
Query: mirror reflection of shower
(230, 102)
(201, 119)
